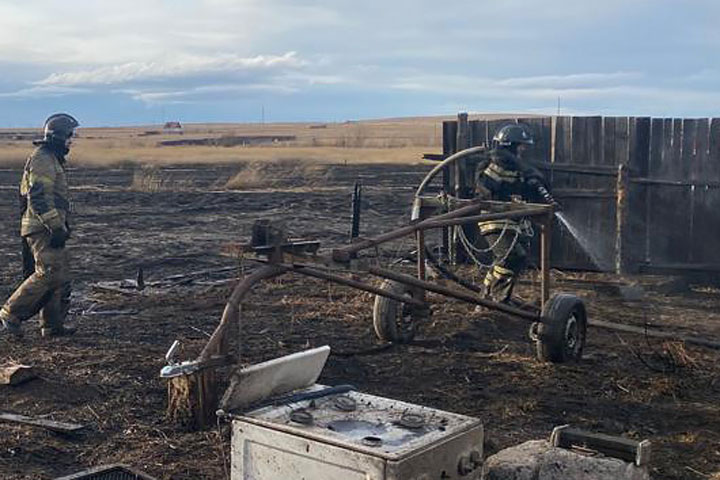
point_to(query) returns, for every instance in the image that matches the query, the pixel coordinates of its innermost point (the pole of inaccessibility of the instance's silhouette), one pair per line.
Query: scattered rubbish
(108, 472)
(91, 310)
(16, 374)
(608, 445)
(52, 425)
(140, 286)
(651, 331)
(140, 279)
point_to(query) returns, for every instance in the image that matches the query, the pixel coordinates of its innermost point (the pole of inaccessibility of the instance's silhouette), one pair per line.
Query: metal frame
(287, 257)
(280, 256)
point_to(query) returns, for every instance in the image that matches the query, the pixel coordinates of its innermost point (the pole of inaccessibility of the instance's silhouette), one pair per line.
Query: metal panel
(260, 453)
(108, 472)
(442, 463)
(275, 377)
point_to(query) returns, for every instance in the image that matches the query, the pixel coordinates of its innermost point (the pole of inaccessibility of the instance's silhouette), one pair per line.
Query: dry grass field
(391, 141)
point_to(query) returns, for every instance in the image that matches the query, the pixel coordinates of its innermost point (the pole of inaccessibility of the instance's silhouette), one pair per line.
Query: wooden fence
(644, 192)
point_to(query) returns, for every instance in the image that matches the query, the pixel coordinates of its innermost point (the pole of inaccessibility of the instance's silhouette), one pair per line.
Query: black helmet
(59, 127)
(513, 134)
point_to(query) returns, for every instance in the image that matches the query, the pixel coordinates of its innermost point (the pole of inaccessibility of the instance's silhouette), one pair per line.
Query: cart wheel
(561, 336)
(394, 321)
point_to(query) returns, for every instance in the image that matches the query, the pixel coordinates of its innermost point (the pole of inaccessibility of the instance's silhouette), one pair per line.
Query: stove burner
(345, 403)
(301, 416)
(412, 421)
(372, 441)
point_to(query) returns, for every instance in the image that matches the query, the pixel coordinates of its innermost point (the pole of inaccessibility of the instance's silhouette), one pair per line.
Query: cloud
(571, 81)
(43, 91)
(186, 66)
(205, 93)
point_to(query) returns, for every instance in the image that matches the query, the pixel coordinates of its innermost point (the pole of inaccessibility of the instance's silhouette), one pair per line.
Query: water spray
(588, 247)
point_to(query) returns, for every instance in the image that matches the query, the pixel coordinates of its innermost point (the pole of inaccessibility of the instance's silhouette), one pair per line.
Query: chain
(467, 246)
(484, 250)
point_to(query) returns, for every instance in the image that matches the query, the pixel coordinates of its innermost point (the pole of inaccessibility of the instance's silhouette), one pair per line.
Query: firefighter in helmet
(507, 178)
(44, 227)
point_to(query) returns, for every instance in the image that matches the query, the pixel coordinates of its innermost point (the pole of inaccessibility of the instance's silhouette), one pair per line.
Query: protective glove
(544, 193)
(58, 237)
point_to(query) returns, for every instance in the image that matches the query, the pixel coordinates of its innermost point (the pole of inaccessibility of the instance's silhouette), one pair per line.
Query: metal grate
(108, 472)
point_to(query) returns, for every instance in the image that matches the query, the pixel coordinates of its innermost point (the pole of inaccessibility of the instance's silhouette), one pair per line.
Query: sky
(139, 62)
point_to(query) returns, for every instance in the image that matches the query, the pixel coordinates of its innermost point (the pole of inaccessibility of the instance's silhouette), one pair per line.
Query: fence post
(459, 190)
(622, 218)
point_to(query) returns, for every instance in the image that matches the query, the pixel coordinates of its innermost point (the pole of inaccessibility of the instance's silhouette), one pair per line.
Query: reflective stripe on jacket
(501, 180)
(44, 186)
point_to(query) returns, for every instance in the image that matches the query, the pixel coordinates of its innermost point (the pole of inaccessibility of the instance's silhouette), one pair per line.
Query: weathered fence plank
(541, 131)
(670, 213)
(706, 199)
(639, 152)
(609, 140)
(563, 140)
(687, 165)
(565, 249)
(478, 129)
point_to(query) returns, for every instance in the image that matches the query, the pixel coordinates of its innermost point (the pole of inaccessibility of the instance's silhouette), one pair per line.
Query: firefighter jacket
(44, 192)
(505, 178)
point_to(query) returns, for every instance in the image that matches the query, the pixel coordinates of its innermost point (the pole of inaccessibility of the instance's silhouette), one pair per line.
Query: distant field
(401, 140)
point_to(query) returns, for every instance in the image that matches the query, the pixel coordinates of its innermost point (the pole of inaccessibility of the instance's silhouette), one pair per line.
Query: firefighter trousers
(510, 250)
(46, 290)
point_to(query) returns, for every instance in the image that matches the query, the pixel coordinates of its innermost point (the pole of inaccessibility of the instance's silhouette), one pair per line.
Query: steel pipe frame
(314, 272)
(217, 343)
(344, 254)
(456, 217)
(452, 293)
(405, 280)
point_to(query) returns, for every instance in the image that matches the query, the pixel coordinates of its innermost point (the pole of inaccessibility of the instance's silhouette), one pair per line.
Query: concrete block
(538, 460)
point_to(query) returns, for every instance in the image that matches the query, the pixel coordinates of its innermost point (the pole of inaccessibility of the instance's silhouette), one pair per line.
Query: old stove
(324, 433)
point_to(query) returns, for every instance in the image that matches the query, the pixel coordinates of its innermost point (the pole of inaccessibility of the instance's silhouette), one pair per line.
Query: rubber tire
(551, 344)
(386, 312)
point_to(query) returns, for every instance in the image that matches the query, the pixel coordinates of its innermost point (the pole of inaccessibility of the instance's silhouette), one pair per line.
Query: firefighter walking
(45, 205)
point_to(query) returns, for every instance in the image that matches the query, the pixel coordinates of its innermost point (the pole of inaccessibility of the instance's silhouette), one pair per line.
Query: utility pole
(262, 114)
(558, 106)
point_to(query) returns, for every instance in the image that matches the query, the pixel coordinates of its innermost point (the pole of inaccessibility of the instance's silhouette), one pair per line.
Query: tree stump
(192, 399)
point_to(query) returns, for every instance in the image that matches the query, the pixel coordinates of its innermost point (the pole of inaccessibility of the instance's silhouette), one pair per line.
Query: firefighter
(507, 178)
(44, 227)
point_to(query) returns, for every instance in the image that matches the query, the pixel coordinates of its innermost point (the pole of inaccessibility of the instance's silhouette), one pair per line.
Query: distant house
(172, 127)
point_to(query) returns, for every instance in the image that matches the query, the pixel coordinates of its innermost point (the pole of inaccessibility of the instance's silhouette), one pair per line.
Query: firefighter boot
(52, 316)
(60, 331)
(10, 325)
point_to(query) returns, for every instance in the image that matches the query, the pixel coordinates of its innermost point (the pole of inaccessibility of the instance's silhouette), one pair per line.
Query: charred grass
(479, 364)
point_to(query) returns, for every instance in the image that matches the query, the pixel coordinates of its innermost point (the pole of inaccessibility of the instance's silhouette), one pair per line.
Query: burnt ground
(479, 364)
